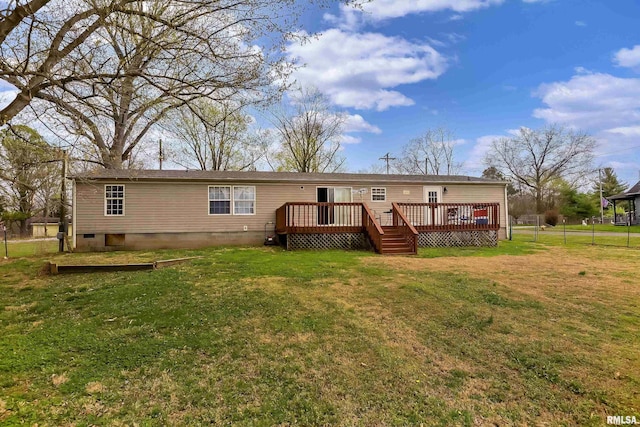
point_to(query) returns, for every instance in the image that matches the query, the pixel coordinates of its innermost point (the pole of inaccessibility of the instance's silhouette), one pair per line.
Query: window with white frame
(244, 200)
(114, 200)
(378, 194)
(219, 200)
(223, 198)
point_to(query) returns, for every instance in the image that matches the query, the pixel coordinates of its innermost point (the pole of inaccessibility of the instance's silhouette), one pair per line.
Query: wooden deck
(409, 220)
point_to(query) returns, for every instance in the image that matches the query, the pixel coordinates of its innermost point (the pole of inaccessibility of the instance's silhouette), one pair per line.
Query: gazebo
(632, 196)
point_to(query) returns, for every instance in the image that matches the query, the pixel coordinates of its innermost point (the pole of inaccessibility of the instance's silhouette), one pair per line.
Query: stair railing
(408, 230)
(372, 228)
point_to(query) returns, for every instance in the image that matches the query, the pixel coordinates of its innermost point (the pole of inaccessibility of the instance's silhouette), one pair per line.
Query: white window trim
(233, 200)
(232, 208)
(230, 200)
(124, 197)
(385, 194)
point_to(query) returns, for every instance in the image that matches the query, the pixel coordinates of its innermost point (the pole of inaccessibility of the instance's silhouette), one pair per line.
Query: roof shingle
(257, 176)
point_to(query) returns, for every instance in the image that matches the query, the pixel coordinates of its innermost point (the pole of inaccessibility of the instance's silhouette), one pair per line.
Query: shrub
(551, 217)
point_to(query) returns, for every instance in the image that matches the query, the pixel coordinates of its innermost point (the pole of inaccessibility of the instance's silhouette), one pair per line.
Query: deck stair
(394, 242)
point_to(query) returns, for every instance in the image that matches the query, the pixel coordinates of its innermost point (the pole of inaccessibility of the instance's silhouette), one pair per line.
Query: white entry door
(342, 213)
(432, 194)
(339, 215)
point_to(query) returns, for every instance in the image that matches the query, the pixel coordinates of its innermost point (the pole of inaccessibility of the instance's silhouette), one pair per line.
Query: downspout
(73, 214)
(506, 213)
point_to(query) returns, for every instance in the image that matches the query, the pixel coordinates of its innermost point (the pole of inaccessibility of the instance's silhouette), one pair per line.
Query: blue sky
(482, 68)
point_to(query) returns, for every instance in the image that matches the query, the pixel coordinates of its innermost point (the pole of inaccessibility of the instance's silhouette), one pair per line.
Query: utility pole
(387, 159)
(160, 154)
(601, 198)
(62, 228)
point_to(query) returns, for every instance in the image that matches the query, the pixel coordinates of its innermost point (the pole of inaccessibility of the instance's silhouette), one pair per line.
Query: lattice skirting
(440, 239)
(328, 241)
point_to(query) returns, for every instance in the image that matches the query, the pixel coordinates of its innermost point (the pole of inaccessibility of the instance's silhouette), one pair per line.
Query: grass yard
(521, 334)
(18, 249)
(609, 228)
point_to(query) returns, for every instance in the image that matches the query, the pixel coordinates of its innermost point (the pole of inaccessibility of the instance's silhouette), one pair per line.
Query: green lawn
(577, 239)
(18, 249)
(600, 227)
(524, 333)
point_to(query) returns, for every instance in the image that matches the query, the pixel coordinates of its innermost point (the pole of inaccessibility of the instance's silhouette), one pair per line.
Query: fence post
(510, 228)
(6, 248)
(593, 230)
(564, 227)
(628, 232)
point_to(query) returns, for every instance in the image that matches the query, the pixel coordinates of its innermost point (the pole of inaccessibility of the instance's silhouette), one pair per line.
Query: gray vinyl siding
(173, 207)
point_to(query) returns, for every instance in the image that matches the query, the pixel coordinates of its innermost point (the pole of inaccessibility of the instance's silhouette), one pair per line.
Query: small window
(378, 194)
(114, 200)
(432, 197)
(219, 200)
(244, 200)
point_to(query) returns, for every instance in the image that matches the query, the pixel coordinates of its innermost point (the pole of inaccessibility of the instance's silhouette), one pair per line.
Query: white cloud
(356, 123)
(7, 96)
(628, 57)
(591, 101)
(385, 9)
(358, 70)
(475, 158)
(581, 24)
(625, 130)
(348, 19)
(349, 139)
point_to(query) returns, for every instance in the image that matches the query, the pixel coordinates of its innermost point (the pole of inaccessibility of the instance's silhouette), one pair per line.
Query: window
(114, 199)
(432, 197)
(378, 194)
(219, 200)
(244, 200)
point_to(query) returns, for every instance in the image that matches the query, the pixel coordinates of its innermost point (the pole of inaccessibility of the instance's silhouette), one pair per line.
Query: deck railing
(311, 217)
(451, 216)
(373, 228)
(402, 223)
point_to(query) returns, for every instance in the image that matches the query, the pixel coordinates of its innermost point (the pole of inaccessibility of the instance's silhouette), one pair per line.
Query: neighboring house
(46, 227)
(144, 209)
(632, 197)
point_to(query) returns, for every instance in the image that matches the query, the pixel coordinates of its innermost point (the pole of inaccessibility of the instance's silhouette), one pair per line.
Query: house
(632, 197)
(46, 227)
(145, 209)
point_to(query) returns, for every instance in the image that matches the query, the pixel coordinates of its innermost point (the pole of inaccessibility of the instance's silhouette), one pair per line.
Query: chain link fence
(589, 233)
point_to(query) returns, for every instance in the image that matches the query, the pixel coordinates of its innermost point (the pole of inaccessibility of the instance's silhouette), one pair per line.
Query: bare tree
(536, 158)
(158, 69)
(213, 136)
(308, 135)
(114, 67)
(430, 154)
(27, 167)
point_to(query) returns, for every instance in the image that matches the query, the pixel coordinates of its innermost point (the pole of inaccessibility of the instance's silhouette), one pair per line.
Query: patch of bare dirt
(555, 271)
(94, 387)
(59, 379)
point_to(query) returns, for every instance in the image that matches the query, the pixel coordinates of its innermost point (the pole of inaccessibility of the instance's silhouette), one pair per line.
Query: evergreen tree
(611, 185)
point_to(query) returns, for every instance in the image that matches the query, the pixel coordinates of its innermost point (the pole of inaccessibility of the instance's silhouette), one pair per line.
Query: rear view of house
(127, 209)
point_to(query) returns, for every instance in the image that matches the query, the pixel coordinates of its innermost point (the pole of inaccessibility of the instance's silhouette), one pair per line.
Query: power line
(387, 159)
(618, 151)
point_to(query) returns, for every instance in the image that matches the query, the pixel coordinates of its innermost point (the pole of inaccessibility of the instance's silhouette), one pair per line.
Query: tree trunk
(112, 159)
(539, 201)
(24, 228)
